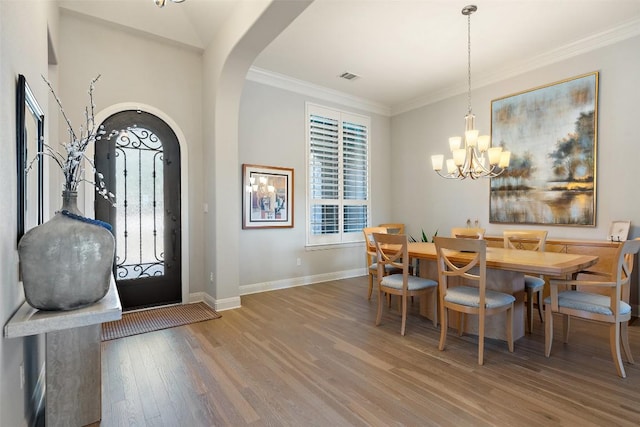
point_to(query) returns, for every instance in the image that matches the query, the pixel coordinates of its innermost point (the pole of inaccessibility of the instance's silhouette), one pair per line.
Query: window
(338, 206)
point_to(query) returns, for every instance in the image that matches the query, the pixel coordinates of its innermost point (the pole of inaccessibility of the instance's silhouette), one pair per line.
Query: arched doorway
(142, 168)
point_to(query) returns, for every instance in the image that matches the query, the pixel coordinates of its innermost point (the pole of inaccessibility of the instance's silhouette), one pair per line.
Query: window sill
(329, 246)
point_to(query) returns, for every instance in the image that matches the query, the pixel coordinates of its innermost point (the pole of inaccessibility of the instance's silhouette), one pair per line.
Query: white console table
(73, 356)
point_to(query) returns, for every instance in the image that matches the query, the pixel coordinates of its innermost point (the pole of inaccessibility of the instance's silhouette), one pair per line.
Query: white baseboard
(234, 302)
(217, 305)
(300, 281)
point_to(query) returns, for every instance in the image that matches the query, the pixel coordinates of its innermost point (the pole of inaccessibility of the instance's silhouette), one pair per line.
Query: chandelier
(263, 187)
(161, 3)
(476, 158)
(263, 193)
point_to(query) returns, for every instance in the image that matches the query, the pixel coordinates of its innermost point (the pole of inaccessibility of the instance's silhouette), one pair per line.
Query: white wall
(272, 132)
(423, 199)
(23, 50)
(138, 69)
(252, 26)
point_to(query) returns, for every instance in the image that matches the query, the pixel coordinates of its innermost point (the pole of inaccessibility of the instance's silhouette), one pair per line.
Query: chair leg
(548, 331)
(624, 337)
(565, 328)
(481, 319)
(540, 305)
(529, 310)
(460, 323)
(510, 328)
(404, 314)
(614, 341)
(434, 304)
(379, 315)
(443, 326)
(370, 286)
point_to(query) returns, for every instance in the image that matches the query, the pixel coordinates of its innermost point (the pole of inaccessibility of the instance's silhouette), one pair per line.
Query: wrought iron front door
(142, 165)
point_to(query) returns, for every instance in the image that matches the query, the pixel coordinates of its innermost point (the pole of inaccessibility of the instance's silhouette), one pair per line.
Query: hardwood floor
(312, 356)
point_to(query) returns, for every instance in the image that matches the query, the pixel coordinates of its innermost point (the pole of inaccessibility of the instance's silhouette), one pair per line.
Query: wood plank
(312, 355)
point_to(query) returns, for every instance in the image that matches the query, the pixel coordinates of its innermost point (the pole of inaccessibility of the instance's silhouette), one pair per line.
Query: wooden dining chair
(467, 233)
(394, 227)
(532, 240)
(371, 258)
(392, 251)
(581, 300)
(463, 288)
(398, 228)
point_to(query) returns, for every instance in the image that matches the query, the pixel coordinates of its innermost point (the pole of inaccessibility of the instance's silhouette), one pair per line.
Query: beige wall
(23, 50)
(148, 72)
(423, 199)
(272, 132)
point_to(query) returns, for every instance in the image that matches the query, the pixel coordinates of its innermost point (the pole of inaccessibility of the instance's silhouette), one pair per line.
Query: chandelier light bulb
(436, 162)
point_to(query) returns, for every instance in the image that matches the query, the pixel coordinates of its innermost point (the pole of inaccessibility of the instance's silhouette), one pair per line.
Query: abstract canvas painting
(551, 132)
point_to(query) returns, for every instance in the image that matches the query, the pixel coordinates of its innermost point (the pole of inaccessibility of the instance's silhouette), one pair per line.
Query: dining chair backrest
(467, 233)
(627, 252)
(370, 254)
(457, 258)
(392, 251)
(369, 241)
(532, 240)
(394, 227)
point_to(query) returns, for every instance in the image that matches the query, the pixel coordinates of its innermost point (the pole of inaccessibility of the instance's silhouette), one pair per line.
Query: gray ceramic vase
(66, 263)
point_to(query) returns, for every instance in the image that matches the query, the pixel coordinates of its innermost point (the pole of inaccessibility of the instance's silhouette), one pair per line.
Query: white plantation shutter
(338, 175)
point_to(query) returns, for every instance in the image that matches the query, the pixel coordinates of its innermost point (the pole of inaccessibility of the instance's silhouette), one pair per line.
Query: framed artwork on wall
(619, 231)
(30, 135)
(551, 132)
(268, 197)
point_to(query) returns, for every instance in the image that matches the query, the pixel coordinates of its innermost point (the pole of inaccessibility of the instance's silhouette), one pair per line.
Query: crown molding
(579, 47)
(282, 81)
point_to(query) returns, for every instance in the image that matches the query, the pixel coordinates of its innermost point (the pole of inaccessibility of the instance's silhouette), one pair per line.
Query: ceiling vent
(348, 76)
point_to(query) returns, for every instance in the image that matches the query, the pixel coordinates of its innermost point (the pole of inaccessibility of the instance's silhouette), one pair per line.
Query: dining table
(506, 269)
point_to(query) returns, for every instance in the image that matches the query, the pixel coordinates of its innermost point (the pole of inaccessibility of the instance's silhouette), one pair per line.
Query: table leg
(73, 377)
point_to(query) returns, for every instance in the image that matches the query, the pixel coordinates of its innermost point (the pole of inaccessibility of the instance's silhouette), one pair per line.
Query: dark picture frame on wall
(552, 133)
(268, 197)
(30, 135)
